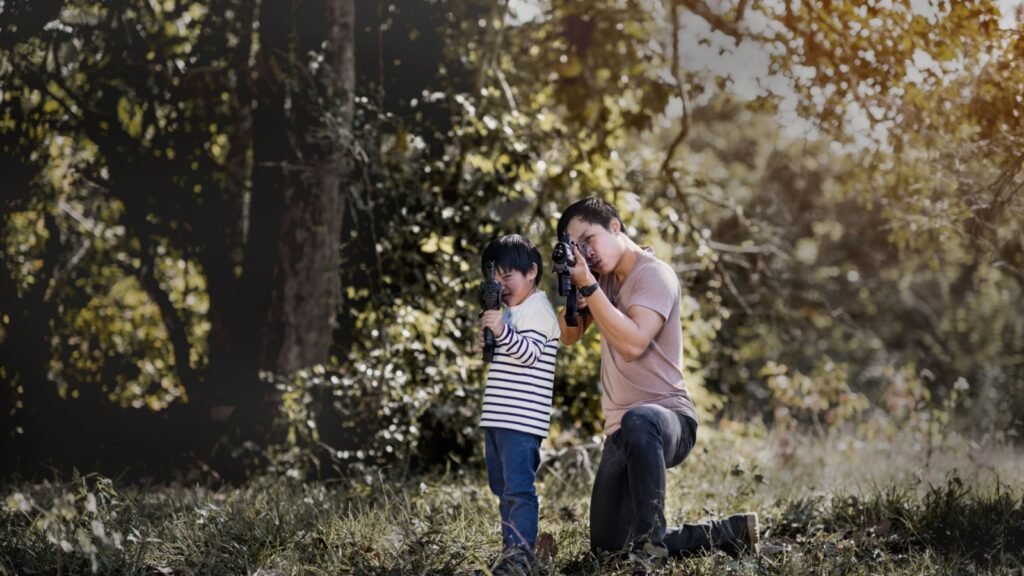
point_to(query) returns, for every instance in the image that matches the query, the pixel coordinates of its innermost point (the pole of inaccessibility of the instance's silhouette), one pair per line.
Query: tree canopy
(261, 222)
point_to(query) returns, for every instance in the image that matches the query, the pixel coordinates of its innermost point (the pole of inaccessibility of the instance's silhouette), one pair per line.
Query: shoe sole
(753, 533)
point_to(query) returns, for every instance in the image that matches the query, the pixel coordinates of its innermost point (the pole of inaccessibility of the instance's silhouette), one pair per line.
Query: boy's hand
(492, 319)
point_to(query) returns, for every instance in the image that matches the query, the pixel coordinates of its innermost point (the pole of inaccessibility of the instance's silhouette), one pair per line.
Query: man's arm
(573, 334)
(629, 334)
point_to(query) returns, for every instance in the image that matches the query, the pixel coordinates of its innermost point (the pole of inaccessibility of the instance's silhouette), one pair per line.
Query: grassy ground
(832, 506)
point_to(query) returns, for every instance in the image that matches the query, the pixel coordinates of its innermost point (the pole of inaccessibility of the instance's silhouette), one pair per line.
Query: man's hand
(581, 274)
(492, 319)
(572, 334)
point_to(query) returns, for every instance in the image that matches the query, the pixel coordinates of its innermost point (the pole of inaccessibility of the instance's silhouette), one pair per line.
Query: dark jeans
(512, 460)
(627, 505)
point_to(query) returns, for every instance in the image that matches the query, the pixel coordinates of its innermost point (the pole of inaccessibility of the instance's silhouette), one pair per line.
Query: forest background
(241, 242)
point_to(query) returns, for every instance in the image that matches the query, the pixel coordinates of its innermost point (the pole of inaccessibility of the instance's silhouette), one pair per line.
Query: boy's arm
(525, 347)
(526, 342)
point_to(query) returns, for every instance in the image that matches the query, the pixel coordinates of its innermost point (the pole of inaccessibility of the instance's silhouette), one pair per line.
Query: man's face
(598, 245)
(516, 286)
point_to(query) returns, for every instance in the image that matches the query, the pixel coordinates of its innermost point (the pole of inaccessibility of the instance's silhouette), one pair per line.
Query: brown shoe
(738, 534)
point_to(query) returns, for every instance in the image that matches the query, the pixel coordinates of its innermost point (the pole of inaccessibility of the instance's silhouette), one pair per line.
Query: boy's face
(516, 286)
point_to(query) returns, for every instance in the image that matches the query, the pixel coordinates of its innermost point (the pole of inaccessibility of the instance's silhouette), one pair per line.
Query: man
(650, 421)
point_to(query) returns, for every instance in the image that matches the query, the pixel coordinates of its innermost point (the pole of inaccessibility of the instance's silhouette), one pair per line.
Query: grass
(828, 506)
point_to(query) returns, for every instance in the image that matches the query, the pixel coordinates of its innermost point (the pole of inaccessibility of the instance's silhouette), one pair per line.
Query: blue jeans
(627, 505)
(512, 460)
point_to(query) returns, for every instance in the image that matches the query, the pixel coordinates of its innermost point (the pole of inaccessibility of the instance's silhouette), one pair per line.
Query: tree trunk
(300, 168)
(291, 282)
(308, 283)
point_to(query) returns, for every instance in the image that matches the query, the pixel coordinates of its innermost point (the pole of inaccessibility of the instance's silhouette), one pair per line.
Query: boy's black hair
(513, 252)
(593, 210)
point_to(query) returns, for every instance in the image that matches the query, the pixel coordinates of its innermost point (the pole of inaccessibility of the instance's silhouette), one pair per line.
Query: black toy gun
(562, 262)
(490, 299)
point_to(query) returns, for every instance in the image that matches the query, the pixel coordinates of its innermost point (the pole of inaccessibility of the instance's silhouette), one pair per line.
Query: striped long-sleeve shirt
(522, 374)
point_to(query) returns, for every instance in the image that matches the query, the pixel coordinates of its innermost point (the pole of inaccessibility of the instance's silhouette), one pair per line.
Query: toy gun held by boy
(490, 299)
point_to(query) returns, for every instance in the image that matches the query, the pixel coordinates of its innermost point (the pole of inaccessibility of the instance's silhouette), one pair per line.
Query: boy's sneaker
(545, 550)
(515, 562)
(738, 534)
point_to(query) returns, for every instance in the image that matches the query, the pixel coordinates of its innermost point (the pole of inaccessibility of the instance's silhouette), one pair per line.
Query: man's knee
(640, 424)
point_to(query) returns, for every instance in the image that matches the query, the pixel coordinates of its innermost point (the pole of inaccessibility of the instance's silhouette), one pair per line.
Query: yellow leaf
(434, 243)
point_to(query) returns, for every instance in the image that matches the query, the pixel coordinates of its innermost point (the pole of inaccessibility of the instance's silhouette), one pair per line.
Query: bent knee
(639, 420)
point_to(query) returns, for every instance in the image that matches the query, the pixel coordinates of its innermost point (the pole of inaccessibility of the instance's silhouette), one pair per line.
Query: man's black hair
(513, 252)
(592, 210)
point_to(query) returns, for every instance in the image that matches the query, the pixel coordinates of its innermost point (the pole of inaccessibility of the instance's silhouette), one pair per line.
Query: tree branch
(684, 128)
(717, 21)
(176, 328)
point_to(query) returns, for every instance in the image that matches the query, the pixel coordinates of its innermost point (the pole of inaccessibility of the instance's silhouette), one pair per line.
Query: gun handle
(571, 308)
(488, 345)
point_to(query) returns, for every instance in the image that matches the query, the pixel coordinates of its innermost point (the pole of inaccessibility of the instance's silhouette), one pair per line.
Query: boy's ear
(532, 274)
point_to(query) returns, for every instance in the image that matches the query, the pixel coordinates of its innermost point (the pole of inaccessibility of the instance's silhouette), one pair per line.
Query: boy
(517, 397)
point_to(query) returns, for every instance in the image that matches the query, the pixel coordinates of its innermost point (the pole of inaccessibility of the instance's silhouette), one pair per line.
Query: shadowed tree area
(243, 238)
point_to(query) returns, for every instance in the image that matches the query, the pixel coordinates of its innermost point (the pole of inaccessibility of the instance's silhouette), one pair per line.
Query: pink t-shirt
(656, 377)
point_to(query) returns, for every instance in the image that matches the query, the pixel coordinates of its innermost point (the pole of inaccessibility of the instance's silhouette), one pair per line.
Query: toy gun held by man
(490, 299)
(562, 262)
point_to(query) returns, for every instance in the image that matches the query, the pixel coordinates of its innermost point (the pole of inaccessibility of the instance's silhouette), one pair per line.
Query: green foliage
(809, 265)
(577, 397)
(86, 121)
(109, 335)
(882, 61)
(413, 388)
(824, 396)
(858, 275)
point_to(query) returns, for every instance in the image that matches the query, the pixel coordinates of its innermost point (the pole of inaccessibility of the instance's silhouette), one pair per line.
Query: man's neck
(627, 262)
